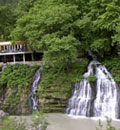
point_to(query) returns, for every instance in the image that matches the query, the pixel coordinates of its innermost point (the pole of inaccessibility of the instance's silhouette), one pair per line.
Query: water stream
(33, 95)
(99, 99)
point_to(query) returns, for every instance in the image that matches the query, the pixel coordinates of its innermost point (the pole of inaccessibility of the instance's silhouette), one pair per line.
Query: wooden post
(14, 60)
(5, 58)
(32, 56)
(3, 48)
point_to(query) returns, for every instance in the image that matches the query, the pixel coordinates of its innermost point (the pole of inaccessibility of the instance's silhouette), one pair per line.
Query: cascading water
(99, 99)
(33, 95)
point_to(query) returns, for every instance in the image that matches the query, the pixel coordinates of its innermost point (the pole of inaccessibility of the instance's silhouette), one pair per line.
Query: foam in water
(33, 95)
(97, 100)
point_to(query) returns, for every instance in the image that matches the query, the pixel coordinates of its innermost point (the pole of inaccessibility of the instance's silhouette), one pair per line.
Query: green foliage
(13, 3)
(62, 29)
(60, 81)
(93, 24)
(54, 89)
(7, 21)
(92, 78)
(15, 82)
(9, 123)
(50, 30)
(17, 75)
(113, 66)
(24, 6)
(39, 118)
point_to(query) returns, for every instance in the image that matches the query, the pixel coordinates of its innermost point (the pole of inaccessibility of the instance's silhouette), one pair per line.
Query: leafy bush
(113, 66)
(17, 75)
(92, 78)
(117, 78)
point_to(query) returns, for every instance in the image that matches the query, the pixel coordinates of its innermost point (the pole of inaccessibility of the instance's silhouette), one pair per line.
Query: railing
(13, 48)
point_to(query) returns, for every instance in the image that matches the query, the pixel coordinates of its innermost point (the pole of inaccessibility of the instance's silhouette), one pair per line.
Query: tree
(99, 25)
(49, 26)
(7, 21)
(24, 6)
(93, 24)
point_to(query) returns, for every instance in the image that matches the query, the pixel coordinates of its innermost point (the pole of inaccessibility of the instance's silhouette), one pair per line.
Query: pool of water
(64, 122)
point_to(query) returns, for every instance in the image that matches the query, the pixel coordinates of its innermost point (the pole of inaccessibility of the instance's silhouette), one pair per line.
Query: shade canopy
(5, 43)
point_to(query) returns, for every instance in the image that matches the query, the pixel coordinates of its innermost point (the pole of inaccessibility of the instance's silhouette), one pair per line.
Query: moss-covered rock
(15, 84)
(56, 87)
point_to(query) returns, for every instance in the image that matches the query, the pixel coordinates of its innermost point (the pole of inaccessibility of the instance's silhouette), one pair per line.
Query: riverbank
(64, 122)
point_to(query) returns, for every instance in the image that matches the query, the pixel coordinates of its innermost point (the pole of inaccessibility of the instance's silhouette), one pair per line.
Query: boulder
(3, 114)
(41, 127)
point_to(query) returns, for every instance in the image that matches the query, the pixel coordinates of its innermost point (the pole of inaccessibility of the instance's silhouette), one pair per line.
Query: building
(18, 53)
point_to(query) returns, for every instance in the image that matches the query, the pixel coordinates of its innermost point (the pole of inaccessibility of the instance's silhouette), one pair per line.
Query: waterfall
(33, 94)
(80, 102)
(99, 99)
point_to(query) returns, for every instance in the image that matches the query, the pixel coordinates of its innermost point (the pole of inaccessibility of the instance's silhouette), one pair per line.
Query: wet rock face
(15, 101)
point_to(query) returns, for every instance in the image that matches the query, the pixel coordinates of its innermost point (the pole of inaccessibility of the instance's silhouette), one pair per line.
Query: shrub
(92, 78)
(113, 66)
(39, 118)
(8, 123)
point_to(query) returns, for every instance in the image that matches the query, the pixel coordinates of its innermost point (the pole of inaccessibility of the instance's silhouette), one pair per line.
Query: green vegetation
(39, 118)
(113, 66)
(15, 84)
(7, 21)
(13, 3)
(19, 123)
(62, 30)
(9, 123)
(55, 87)
(17, 75)
(108, 125)
(92, 78)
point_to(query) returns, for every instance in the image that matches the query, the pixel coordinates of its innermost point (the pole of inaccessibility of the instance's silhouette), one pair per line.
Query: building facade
(18, 53)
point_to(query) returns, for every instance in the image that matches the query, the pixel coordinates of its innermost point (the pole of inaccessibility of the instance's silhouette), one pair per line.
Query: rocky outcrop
(41, 127)
(3, 114)
(15, 101)
(54, 99)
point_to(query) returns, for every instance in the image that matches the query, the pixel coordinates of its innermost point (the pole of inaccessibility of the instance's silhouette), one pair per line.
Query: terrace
(18, 53)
